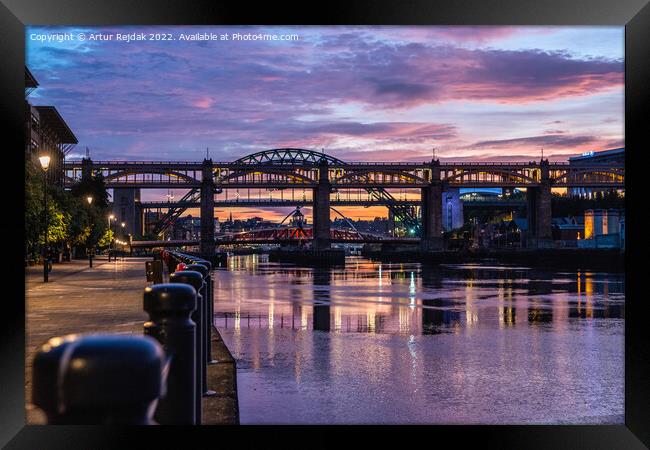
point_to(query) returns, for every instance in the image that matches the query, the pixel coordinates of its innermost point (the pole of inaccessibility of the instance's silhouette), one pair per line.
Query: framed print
(397, 219)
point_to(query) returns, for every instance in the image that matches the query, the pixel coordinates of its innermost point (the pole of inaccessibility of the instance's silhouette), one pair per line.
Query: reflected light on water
(405, 343)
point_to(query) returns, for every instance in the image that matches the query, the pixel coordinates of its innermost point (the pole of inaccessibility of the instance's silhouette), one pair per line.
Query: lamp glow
(45, 162)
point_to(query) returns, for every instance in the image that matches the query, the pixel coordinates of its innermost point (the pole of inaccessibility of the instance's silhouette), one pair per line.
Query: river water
(408, 343)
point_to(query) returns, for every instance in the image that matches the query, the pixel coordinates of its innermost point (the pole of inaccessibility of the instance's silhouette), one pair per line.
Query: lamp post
(45, 164)
(123, 236)
(110, 243)
(90, 247)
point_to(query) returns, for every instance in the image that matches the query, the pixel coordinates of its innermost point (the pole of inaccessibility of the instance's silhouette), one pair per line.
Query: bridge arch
(289, 176)
(171, 173)
(566, 176)
(365, 174)
(288, 156)
(312, 158)
(506, 175)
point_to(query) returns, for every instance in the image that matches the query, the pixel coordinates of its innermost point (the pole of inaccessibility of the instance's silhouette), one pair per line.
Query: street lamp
(90, 249)
(45, 164)
(110, 243)
(123, 225)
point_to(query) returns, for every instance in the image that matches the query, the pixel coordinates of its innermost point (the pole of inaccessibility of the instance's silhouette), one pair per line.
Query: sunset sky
(360, 93)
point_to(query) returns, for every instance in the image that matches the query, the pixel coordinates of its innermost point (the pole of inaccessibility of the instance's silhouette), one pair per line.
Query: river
(406, 343)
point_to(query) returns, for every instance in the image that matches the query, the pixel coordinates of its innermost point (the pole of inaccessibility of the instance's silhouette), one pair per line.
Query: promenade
(106, 298)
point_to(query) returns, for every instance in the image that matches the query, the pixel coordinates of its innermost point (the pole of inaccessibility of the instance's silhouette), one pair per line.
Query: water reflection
(321, 308)
(363, 342)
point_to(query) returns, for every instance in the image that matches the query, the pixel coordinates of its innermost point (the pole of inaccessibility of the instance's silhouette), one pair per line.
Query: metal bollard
(101, 379)
(203, 270)
(169, 307)
(209, 295)
(45, 376)
(194, 279)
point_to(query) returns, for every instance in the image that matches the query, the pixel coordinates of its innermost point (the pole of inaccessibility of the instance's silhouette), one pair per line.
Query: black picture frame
(634, 14)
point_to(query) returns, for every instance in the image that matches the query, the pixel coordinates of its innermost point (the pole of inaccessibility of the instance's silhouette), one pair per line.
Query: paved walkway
(78, 299)
(105, 298)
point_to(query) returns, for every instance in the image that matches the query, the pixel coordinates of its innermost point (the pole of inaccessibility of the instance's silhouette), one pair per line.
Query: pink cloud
(204, 103)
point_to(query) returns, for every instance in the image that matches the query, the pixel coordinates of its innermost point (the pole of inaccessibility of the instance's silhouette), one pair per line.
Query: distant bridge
(293, 203)
(292, 168)
(285, 235)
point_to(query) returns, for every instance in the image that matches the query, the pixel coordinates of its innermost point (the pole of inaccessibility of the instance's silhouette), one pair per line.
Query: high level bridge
(323, 175)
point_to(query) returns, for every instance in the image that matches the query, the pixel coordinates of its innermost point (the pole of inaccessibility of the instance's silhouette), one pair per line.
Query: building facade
(613, 156)
(604, 228)
(46, 133)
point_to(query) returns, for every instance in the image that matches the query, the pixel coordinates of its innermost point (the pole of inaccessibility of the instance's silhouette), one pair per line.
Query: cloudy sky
(361, 93)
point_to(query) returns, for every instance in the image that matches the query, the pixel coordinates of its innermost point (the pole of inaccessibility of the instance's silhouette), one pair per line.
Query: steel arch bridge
(287, 157)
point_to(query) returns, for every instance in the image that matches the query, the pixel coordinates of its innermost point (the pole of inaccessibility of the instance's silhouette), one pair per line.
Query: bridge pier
(126, 208)
(538, 210)
(86, 168)
(321, 211)
(431, 208)
(207, 244)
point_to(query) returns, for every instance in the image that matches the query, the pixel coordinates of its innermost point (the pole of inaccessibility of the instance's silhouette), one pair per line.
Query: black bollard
(169, 307)
(99, 379)
(195, 280)
(45, 376)
(209, 295)
(203, 270)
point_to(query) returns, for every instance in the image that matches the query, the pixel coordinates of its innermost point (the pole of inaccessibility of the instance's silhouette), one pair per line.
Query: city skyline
(359, 93)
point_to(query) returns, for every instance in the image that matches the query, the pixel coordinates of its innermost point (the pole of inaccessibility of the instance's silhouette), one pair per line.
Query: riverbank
(612, 260)
(107, 298)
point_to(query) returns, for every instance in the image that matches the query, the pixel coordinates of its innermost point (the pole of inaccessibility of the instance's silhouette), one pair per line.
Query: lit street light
(90, 248)
(45, 164)
(110, 244)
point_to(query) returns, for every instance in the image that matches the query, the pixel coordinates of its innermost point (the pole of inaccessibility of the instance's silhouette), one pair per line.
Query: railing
(129, 162)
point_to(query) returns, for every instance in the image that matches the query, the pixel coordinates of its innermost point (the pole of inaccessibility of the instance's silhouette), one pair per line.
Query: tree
(58, 218)
(72, 221)
(106, 239)
(95, 212)
(93, 186)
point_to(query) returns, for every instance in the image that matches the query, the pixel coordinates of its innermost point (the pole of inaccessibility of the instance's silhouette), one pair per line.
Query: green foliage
(106, 239)
(57, 227)
(71, 220)
(94, 187)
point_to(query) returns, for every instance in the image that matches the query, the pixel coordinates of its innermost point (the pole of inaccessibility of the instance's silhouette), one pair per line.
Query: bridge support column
(86, 168)
(540, 231)
(321, 212)
(207, 244)
(126, 203)
(431, 208)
